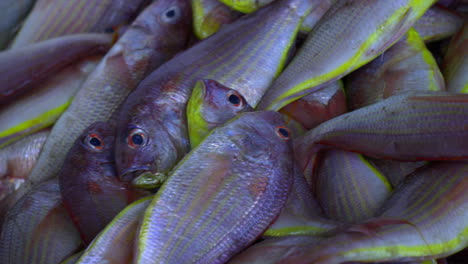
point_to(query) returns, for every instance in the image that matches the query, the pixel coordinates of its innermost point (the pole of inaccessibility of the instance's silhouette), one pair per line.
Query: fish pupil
(137, 139)
(171, 13)
(95, 142)
(234, 99)
(284, 132)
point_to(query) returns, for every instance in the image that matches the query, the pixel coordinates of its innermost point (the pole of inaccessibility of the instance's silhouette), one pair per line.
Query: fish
(406, 66)
(211, 105)
(22, 69)
(91, 191)
(222, 195)
(246, 6)
(114, 245)
(406, 127)
(53, 18)
(348, 36)
(455, 64)
(348, 187)
(12, 13)
(44, 104)
(410, 226)
(158, 33)
(152, 132)
(438, 23)
(38, 229)
(396, 171)
(209, 16)
(319, 106)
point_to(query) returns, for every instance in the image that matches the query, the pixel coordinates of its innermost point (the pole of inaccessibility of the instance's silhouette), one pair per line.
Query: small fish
(156, 35)
(38, 229)
(438, 23)
(411, 225)
(42, 106)
(406, 127)
(91, 191)
(455, 64)
(115, 244)
(209, 16)
(245, 56)
(349, 35)
(406, 66)
(222, 195)
(348, 187)
(24, 68)
(53, 18)
(12, 13)
(319, 106)
(211, 105)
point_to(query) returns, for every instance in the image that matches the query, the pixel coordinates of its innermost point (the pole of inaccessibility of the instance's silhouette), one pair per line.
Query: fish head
(211, 105)
(96, 142)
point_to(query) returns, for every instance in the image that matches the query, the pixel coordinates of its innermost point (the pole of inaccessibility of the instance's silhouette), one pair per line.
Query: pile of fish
(234, 131)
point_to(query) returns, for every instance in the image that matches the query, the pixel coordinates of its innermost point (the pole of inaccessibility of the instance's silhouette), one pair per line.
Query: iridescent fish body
(438, 23)
(222, 195)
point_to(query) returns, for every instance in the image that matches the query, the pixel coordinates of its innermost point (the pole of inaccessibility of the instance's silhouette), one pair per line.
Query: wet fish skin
(90, 189)
(42, 106)
(53, 18)
(38, 229)
(209, 16)
(24, 68)
(246, 6)
(12, 13)
(229, 188)
(240, 56)
(114, 245)
(349, 35)
(411, 225)
(211, 105)
(396, 171)
(406, 127)
(158, 33)
(406, 66)
(438, 23)
(455, 63)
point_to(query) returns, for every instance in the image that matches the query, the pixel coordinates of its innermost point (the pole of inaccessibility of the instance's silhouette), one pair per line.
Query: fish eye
(236, 100)
(171, 15)
(94, 142)
(136, 138)
(283, 132)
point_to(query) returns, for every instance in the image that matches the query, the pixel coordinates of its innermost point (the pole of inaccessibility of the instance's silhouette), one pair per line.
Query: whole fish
(23, 68)
(114, 245)
(42, 106)
(17, 160)
(319, 106)
(425, 218)
(53, 18)
(158, 33)
(38, 229)
(351, 33)
(407, 127)
(406, 66)
(209, 16)
(348, 187)
(438, 23)
(12, 13)
(91, 191)
(222, 196)
(211, 105)
(249, 53)
(455, 64)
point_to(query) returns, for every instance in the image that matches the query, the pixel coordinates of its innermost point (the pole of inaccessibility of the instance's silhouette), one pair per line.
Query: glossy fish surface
(53, 18)
(209, 16)
(22, 69)
(245, 56)
(159, 32)
(350, 34)
(455, 64)
(91, 191)
(222, 195)
(38, 229)
(246, 6)
(438, 23)
(407, 127)
(114, 245)
(12, 13)
(211, 105)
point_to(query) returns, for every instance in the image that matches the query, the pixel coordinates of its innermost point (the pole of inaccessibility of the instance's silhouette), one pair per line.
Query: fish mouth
(149, 180)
